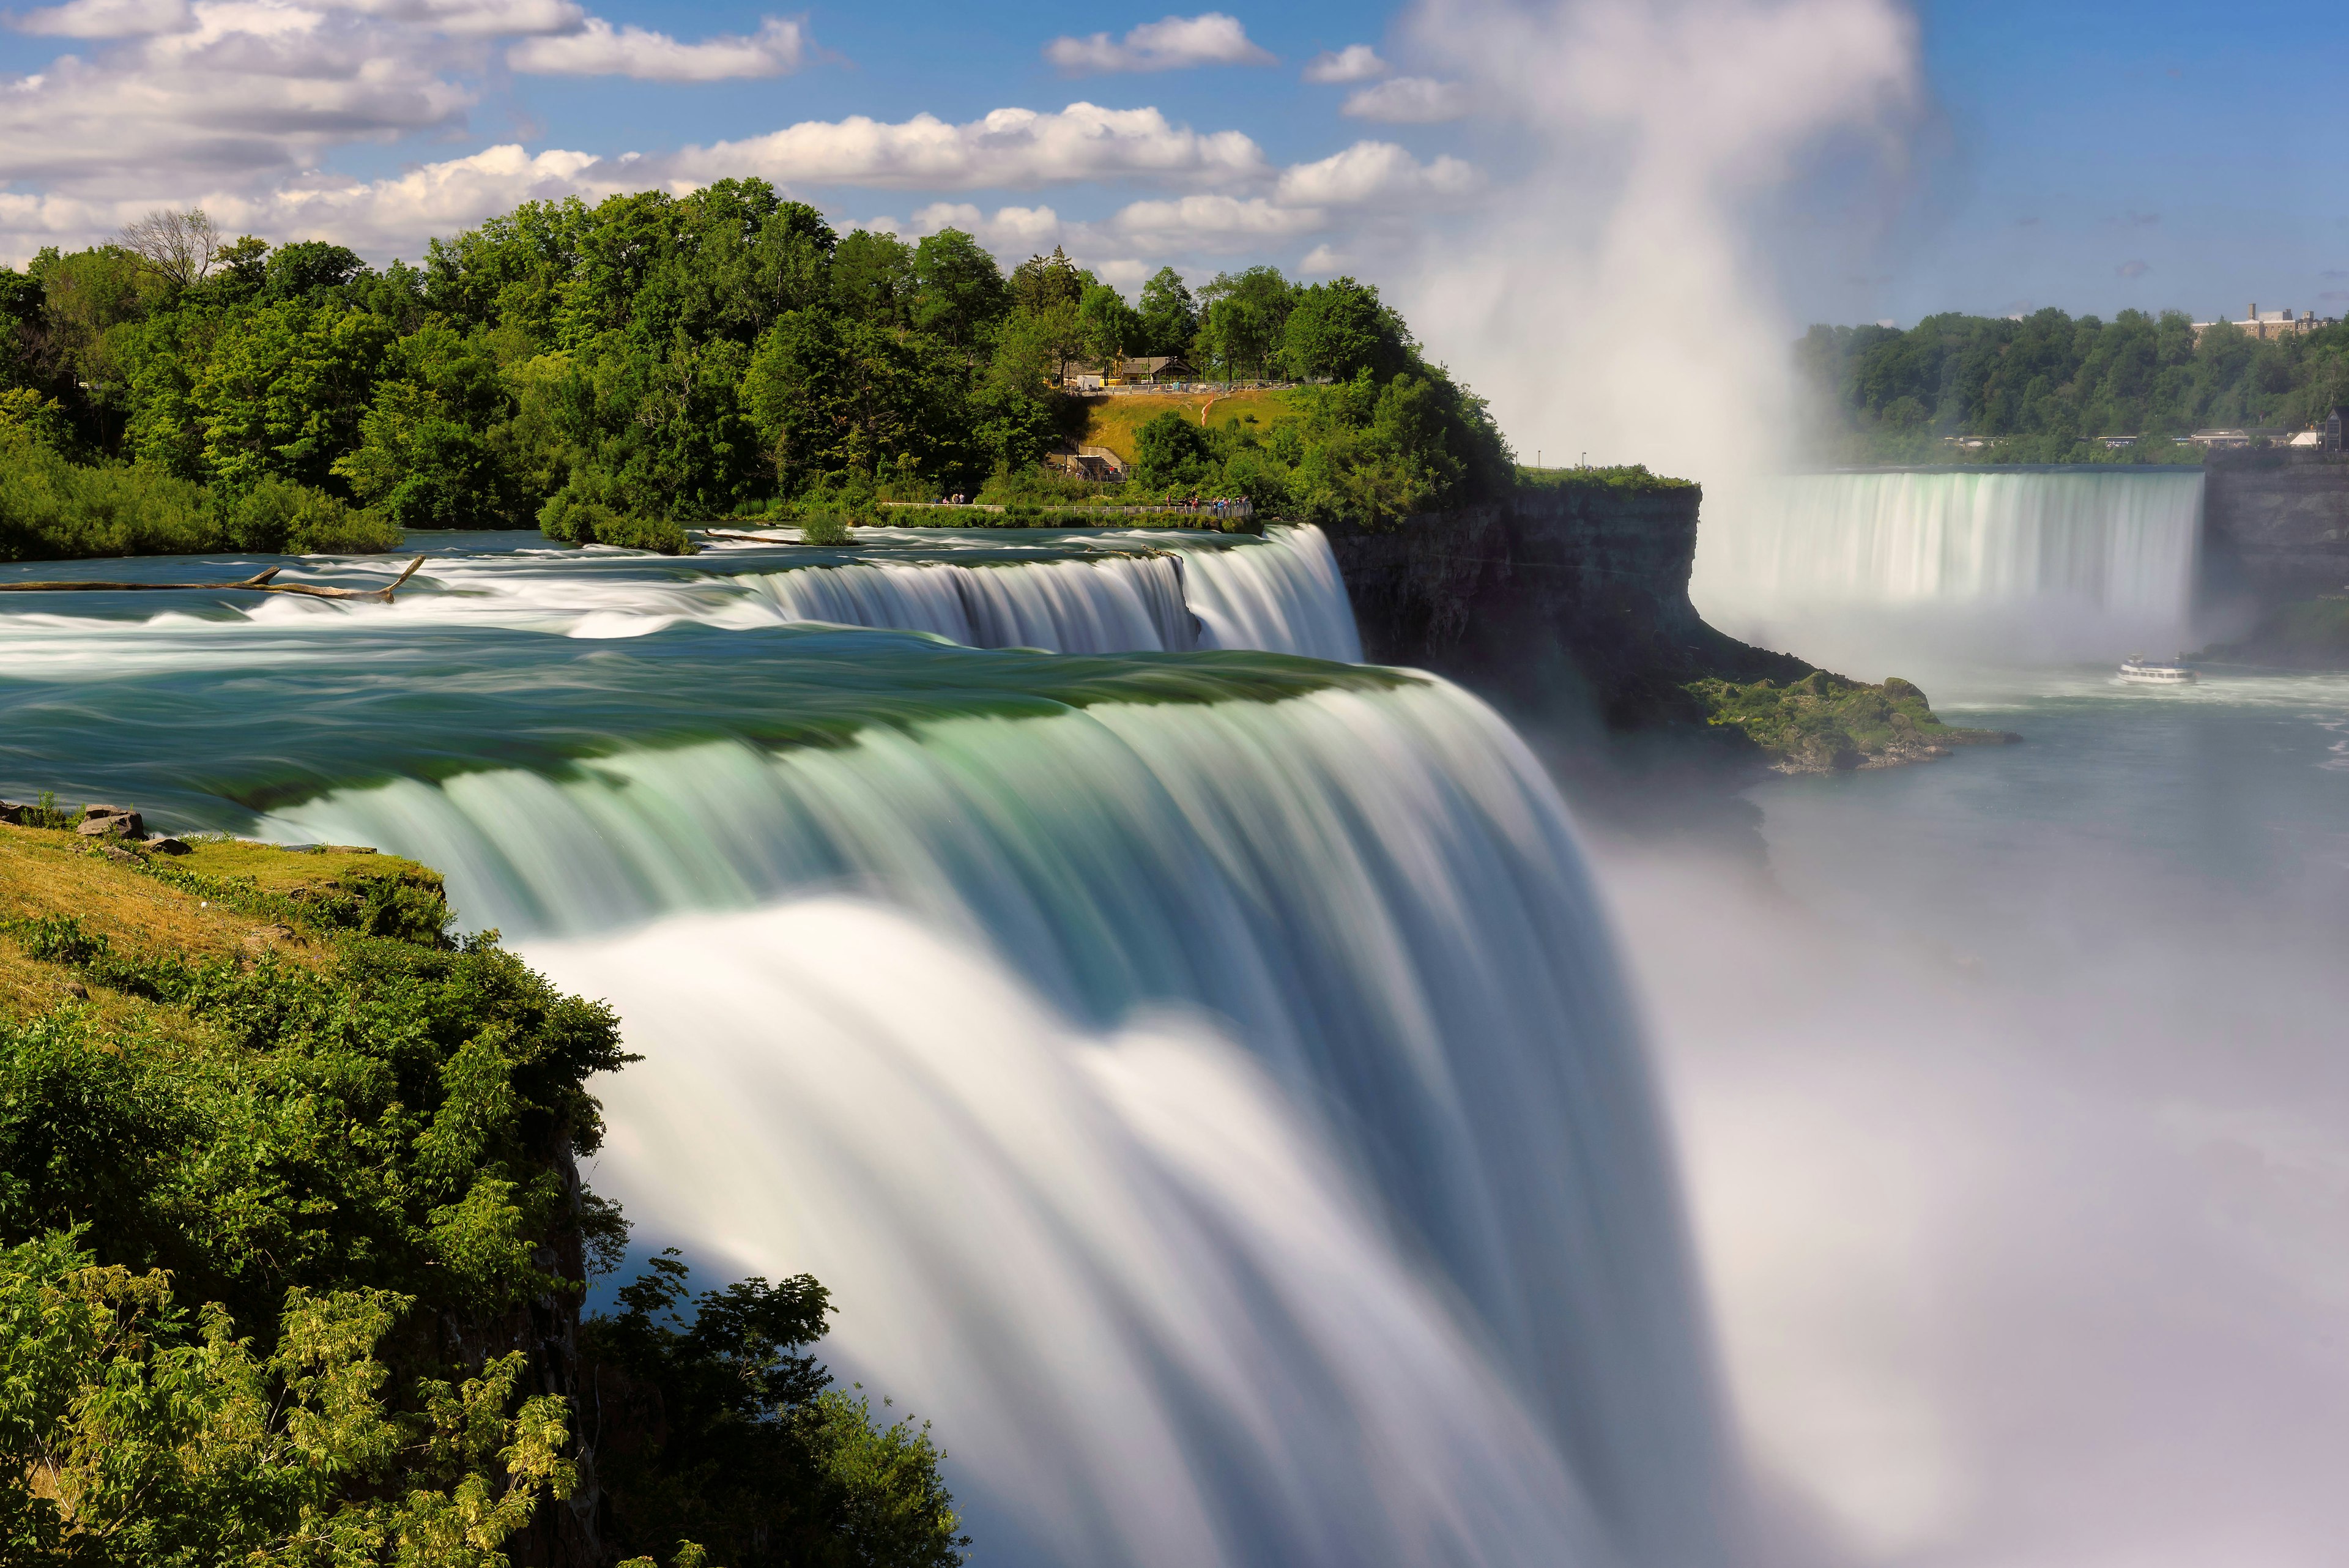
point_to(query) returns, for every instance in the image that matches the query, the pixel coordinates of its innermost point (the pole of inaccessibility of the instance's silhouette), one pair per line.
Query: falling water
(1367, 900)
(1204, 1077)
(1998, 567)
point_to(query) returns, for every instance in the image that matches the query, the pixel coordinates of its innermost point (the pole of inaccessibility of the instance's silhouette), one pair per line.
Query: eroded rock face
(2277, 521)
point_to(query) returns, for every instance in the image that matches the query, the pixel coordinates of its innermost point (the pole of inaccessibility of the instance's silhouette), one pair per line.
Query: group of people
(1220, 506)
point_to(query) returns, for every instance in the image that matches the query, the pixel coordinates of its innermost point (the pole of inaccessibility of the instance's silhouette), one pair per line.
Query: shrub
(578, 515)
(823, 526)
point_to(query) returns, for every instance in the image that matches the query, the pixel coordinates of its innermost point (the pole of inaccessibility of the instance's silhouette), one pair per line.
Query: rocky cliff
(1567, 607)
(2275, 524)
(1570, 596)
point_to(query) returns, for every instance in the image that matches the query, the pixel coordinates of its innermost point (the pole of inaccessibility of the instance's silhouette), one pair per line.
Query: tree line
(613, 371)
(2048, 384)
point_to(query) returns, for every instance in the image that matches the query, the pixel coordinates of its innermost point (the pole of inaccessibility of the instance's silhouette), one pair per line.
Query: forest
(614, 372)
(2047, 385)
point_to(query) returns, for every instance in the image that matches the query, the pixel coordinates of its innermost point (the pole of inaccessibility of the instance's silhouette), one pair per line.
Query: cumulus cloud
(1013, 148)
(1410, 100)
(106, 19)
(2132, 269)
(1354, 63)
(599, 49)
(1371, 171)
(1172, 44)
(1214, 223)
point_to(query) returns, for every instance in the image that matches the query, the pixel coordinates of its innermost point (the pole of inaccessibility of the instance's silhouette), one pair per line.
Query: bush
(822, 527)
(577, 515)
(53, 510)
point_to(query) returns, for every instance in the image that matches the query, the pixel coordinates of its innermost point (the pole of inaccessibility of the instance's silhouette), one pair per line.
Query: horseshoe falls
(1973, 567)
(1203, 1077)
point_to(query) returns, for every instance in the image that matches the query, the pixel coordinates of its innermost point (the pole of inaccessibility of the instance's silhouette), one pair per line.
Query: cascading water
(1203, 1077)
(1373, 895)
(1996, 566)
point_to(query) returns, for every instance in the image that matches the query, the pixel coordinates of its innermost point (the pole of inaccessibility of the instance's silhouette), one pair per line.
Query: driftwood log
(258, 583)
(753, 538)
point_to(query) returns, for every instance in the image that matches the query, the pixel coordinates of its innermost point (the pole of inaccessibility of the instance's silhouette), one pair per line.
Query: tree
(1170, 316)
(1171, 450)
(310, 266)
(1243, 319)
(179, 246)
(959, 291)
(873, 277)
(1039, 282)
(1109, 327)
(1337, 330)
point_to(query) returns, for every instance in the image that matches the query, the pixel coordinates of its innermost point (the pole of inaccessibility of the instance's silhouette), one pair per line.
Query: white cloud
(1354, 63)
(1410, 100)
(1321, 262)
(1373, 171)
(1009, 148)
(1011, 231)
(473, 18)
(1213, 222)
(599, 49)
(105, 19)
(1172, 44)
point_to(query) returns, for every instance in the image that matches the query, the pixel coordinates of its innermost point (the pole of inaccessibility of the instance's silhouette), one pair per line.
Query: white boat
(2145, 672)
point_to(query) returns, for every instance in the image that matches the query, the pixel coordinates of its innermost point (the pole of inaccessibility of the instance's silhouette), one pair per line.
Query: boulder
(111, 822)
(11, 812)
(168, 847)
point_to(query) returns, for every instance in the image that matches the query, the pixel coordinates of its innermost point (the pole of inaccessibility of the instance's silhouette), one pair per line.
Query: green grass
(1114, 422)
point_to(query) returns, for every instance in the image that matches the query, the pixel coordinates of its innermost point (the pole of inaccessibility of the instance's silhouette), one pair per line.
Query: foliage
(134, 1432)
(822, 526)
(1824, 722)
(53, 508)
(2047, 385)
(615, 372)
(352, 1140)
(734, 1436)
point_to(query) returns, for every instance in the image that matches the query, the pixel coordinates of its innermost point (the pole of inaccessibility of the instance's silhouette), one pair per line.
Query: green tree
(1170, 316)
(873, 278)
(959, 293)
(1338, 329)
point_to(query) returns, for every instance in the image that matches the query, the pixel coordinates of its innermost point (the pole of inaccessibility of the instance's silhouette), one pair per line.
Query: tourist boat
(2137, 668)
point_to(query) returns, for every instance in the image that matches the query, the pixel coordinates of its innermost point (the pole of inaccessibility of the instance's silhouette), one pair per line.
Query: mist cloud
(1610, 298)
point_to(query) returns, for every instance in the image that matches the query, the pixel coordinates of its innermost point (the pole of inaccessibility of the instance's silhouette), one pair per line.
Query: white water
(1281, 593)
(1225, 1117)
(1862, 570)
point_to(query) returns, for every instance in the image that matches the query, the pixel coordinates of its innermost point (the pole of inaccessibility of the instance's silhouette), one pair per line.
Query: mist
(1614, 297)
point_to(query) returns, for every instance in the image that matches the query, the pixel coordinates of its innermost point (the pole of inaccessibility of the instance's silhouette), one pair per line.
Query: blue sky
(2087, 156)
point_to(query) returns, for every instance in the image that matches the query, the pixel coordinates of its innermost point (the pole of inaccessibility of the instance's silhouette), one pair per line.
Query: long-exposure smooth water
(1203, 1074)
(1208, 1079)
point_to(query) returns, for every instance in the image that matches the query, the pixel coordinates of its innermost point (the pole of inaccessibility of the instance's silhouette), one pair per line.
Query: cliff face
(2276, 523)
(1572, 596)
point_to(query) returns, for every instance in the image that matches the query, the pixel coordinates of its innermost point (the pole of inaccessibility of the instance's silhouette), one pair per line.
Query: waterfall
(1224, 1116)
(1984, 565)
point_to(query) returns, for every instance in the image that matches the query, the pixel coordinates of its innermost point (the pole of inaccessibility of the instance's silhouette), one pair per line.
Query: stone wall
(2276, 523)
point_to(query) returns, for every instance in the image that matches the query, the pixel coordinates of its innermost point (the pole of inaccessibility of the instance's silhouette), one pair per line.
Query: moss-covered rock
(1826, 723)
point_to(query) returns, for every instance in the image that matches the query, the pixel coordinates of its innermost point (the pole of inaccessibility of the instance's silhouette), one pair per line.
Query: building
(1125, 370)
(2334, 434)
(2273, 325)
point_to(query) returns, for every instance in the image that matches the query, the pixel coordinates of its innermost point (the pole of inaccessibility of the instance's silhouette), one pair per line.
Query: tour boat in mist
(2136, 668)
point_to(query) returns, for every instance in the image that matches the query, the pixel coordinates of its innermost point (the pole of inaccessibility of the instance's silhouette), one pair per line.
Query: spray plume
(1610, 298)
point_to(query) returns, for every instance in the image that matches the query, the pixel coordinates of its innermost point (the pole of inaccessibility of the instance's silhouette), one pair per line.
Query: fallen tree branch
(257, 583)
